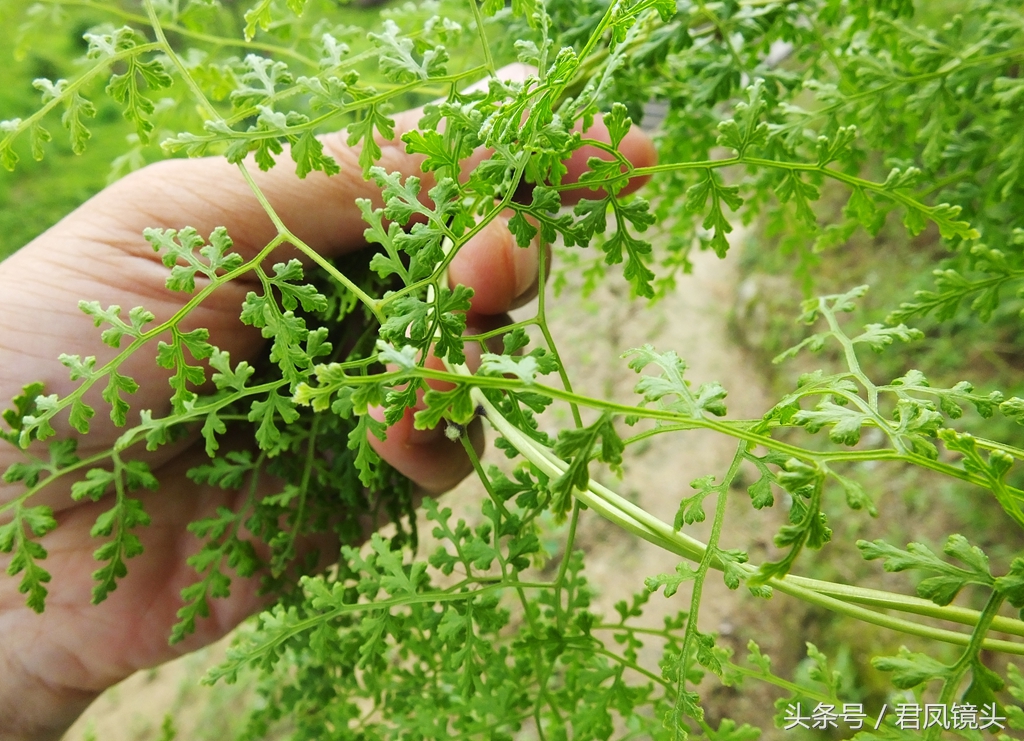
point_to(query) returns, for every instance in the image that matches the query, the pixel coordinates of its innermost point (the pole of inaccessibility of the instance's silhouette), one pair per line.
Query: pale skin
(53, 665)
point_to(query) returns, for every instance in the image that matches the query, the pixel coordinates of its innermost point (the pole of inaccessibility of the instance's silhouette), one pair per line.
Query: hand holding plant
(55, 664)
(263, 390)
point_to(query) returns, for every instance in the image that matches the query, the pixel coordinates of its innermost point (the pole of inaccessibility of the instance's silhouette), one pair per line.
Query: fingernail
(472, 349)
(524, 262)
(424, 437)
(413, 436)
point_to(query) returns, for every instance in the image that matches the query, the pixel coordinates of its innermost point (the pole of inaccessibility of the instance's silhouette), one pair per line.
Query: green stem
(543, 273)
(542, 670)
(796, 689)
(878, 188)
(738, 429)
(453, 594)
(634, 519)
(906, 603)
(595, 37)
(285, 235)
(186, 32)
(723, 35)
(197, 91)
(707, 559)
(73, 87)
(870, 408)
(970, 656)
(630, 665)
(563, 567)
(303, 495)
(152, 334)
(314, 124)
(786, 586)
(500, 331)
(17, 502)
(478, 17)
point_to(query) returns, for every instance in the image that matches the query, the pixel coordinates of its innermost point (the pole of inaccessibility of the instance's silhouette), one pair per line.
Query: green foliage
(125, 87)
(905, 122)
(182, 246)
(671, 385)
(15, 538)
(600, 441)
(943, 588)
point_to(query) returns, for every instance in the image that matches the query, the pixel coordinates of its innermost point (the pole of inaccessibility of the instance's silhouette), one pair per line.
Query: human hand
(53, 665)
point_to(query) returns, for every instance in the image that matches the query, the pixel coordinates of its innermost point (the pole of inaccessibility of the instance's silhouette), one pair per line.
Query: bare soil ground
(693, 321)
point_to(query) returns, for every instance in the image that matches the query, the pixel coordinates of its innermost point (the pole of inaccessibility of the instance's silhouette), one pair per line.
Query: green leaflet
(943, 588)
(416, 320)
(671, 582)
(670, 389)
(711, 189)
(910, 669)
(125, 88)
(294, 347)
(600, 441)
(308, 154)
(397, 61)
(844, 424)
(364, 134)
(16, 539)
(267, 412)
(200, 257)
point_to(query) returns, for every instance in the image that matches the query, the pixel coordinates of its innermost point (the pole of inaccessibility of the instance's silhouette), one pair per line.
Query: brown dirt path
(694, 321)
